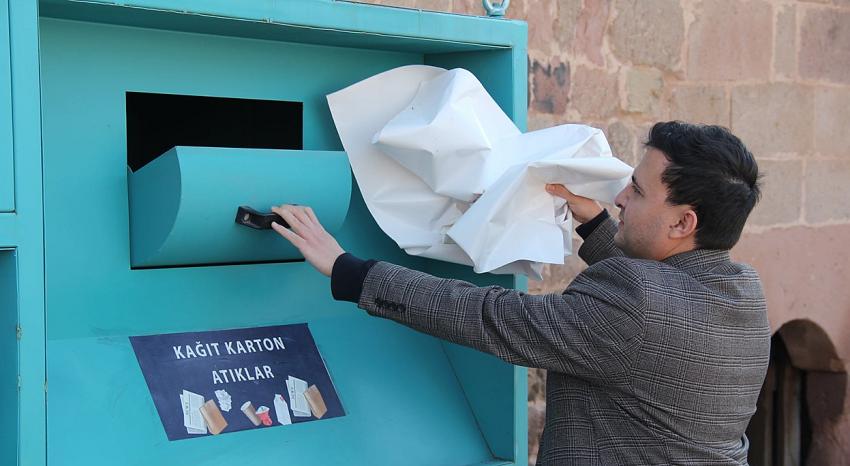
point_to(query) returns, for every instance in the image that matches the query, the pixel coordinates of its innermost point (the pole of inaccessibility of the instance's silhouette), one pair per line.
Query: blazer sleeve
(591, 330)
(599, 245)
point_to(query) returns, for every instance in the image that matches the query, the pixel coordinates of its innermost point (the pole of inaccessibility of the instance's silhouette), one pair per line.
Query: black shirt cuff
(347, 277)
(584, 230)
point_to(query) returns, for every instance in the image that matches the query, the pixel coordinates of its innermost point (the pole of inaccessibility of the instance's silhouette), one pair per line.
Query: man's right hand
(583, 208)
(308, 235)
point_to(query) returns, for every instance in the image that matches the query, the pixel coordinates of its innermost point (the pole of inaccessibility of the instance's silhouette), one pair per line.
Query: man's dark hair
(711, 170)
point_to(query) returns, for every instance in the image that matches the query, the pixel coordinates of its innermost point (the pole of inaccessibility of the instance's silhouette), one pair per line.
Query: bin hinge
(45, 385)
(19, 332)
(19, 382)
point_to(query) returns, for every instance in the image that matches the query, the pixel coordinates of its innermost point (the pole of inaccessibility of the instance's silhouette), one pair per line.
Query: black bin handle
(258, 220)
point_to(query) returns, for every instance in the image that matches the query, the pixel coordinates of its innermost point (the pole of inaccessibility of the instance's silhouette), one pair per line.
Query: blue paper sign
(207, 383)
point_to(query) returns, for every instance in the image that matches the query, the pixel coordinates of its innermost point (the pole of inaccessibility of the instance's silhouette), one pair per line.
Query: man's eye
(635, 189)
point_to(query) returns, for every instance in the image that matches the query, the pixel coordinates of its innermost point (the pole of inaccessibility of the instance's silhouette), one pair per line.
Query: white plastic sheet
(448, 176)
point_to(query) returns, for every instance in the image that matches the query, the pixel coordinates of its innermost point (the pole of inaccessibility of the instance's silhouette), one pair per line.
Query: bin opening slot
(216, 264)
(158, 122)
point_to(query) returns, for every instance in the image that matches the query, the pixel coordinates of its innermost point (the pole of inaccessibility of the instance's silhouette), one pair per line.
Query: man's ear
(686, 226)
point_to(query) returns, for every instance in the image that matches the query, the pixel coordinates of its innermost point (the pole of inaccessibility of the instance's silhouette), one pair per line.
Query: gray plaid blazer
(648, 362)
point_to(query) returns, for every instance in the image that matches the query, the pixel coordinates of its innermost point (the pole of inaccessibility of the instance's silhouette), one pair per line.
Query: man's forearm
(349, 271)
(546, 331)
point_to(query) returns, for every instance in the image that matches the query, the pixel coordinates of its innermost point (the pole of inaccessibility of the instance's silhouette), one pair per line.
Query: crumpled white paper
(448, 176)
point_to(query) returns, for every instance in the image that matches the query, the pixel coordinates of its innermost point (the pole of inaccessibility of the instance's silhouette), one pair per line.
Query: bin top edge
(324, 22)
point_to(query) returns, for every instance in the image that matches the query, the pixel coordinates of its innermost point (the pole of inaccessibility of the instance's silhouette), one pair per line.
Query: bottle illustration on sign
(281, 409)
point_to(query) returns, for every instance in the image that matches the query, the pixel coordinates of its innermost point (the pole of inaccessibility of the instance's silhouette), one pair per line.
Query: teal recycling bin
(132, 131)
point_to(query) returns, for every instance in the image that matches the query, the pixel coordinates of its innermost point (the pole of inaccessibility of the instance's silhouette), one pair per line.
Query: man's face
(645, 215)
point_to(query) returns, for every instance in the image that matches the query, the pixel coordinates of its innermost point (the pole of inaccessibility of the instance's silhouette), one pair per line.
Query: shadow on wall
(801, 401)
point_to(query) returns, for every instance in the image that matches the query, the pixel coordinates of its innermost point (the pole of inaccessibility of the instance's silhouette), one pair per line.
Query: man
(655, 353)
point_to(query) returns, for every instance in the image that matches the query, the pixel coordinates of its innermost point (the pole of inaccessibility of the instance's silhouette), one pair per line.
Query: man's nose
(620, 200)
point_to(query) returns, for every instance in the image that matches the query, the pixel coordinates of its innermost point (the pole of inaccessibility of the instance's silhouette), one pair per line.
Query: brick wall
(777, 72)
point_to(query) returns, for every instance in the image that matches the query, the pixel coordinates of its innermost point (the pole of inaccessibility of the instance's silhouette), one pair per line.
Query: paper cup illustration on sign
(249, 411)
(263, 414)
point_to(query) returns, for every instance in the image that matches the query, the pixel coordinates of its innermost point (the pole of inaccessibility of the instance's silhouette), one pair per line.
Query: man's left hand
(584, 209)
(306, 233)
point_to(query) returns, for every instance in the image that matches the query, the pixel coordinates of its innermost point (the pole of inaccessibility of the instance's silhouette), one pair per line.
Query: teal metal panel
(9, 356)
(383, 425)
(8, 229)
(398, 387)
(24, 230)
(176, 219)
(489, 386)
(80, 102)
(410, 399)
(7, 165)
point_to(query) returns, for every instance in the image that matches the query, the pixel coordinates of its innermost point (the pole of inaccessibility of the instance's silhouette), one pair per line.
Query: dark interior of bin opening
(158, 122)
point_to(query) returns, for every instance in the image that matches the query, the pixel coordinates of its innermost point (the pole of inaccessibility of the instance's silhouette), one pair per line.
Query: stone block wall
(777, 72)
